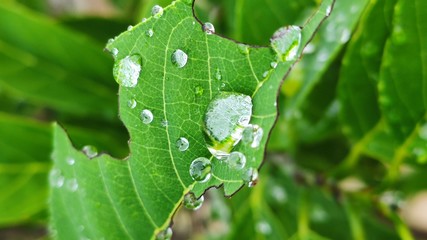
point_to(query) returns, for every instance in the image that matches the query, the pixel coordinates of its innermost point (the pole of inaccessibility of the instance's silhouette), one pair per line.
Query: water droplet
(208, 28)
(156, 11)
(182, 144)
(110, 41)
(273, 64)
(236, 160)
(423, 132)
(218, 75)
(328, 10)
(179, 58)
(132, 103)
(243, 48)
(130, 27)
(265, 74)
(200, 169)
(226, 117)
(198, 91)
(56, 179)
(253, 134)
(165, 123)
(90, 151)
(251, 177)
(72, 185)
(165, 234)
(114, 52)
(345, 36)
(143, 20)
(70, 161)
(263, 227)
(149, 32)
(126, 71)
(191, 202)
(286, 42)
(146, 116)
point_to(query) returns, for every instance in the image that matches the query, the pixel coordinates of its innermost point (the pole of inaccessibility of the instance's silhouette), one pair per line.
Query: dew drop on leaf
(198, 91)
(70, 161)
(165, 234)
(253, 135)
(126, 71)
(191, 202)
(143, 20)
(328, 10)
(56, 179)
(251, 177)
(218, 75)
(165, 123)
(273, 64)
(146, 116)
(157, 11)
(132, 103)
(236, 160)
(182, 144)
(90, 151)
(243, 48)
(265, 74)
(200, 169)
(286, 42)
(226, 117)
(114, 52)
(130, 27)
(208, 28)
(149, 32)
(179, 58)
(72, 185)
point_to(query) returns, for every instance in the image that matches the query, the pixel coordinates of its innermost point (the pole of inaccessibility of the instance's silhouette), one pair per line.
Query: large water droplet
(70, 161)
(126, 71)
(208, 28)
(250, 177)
(253, 135)
(226, 117)
(200, 169)
(90, 151)
(56, 179)
(182, 144)
(236, 160)
(156, 11)
(72, 185)
(191, 202)
(179, 58)
(132, 103)
(286, 42)
(149, 32)
(165, 234)
(146, 116)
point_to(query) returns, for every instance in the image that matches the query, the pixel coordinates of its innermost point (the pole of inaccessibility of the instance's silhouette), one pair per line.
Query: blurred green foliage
(352, 110)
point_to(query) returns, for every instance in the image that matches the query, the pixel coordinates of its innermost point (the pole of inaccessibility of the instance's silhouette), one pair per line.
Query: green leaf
(167, 100)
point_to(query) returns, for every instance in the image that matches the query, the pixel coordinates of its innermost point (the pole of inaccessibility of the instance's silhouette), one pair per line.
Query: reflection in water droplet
(90, 151)
(208, 28)
(72, 185)
(250, 177)
(191, 202)
(56, 179)
(263, 227)
(70, 161)
(253, 134)
(179, 58)
(182, 144)
(132, 103)
(226, 117)
(165, 234)
(236, 160)
(286, 42)
(126, 71)
(200, 169)
(146, 116)
(157, 11)
(149, 32)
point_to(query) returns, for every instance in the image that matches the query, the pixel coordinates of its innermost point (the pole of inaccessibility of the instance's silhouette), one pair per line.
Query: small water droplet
(345, 36)
(286, 42)
(191, 202)
(157, 11)
(179, 58)
(126, 71)
(165, 123)
(226, 117)
(218, 75)
(182, 144)
(72, 185)
(263, 227)
(70, 161)
(132, 103)
(273, 64)
(253, 134)
(146, 116)
(143, 20)
(198, 91)
(243, 48)
(165, 234)
(208, 28)
(149, 32)
(328, 11)
(222, 85)
(56, 179)
(110, 41)
(265, 74)
(90, 151)
(236, 160)
(114, 52)
(200, 169)
(130, 27)
(251, 177)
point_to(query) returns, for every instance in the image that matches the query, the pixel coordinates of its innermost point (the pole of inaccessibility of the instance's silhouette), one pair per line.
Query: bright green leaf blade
(136, 197)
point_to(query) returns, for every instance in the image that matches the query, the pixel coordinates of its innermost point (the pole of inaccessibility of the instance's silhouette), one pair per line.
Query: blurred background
(346, 159)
